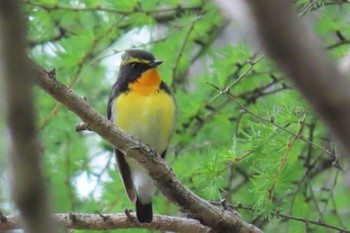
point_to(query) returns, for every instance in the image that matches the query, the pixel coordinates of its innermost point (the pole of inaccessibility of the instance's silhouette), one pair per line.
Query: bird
(142, 105)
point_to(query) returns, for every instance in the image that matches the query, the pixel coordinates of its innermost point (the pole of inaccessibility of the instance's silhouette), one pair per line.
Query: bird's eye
(134, 66)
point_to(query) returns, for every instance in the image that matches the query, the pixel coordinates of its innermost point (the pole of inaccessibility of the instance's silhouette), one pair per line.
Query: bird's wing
(124, 169)
(125, 174)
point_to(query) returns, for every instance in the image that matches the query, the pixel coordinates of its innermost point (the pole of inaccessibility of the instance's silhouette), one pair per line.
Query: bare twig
(317, 205)
(336, 2)
(227, 89)
(308, 7)
(337, 44)
(182, 49)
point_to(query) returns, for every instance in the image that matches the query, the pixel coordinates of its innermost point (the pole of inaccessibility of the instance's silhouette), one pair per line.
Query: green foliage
(241, 146)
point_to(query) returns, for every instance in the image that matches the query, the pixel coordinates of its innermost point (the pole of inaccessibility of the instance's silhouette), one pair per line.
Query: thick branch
(298, 52)
(116, 221)
(27, 181)
(220, 220)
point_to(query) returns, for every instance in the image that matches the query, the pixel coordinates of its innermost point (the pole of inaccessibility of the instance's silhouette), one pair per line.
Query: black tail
(144, 212)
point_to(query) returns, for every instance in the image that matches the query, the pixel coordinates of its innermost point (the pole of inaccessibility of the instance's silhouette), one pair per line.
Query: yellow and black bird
(142, 105)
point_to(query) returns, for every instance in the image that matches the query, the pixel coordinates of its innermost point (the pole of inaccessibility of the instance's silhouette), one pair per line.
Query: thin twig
(112, 10)
(234, 162)
(227, 89)
(290, 217)
(245, 109)
(308, 7)
(182, 49)
(284, 158)
(76, 76)
(338, 44)
(313, 197)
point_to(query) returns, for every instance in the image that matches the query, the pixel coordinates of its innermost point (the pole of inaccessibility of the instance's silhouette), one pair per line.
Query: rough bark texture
(117, 221)
(28, 189)
(214, 217)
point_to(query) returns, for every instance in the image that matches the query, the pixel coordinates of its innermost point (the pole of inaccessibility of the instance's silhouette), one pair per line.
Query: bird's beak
(155, 63)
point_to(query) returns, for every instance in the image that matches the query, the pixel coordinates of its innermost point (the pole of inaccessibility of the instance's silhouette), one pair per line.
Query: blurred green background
(241, 146)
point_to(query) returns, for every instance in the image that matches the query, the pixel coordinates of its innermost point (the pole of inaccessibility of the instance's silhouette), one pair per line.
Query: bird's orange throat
(147, 84)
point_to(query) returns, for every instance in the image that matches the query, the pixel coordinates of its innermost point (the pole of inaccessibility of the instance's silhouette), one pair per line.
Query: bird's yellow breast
(150, 118)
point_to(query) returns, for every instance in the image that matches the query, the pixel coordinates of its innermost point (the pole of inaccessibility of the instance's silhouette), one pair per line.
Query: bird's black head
(134, 63)
(142, 55)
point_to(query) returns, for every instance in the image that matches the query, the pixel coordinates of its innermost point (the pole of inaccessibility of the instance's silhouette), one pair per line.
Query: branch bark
(116, 221)
(28, 189)
(218, 219)
(299, 53)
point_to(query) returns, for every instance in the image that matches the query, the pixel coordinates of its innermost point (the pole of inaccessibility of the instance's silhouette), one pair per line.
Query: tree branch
(160, 15)
(28, 188)
(218, 219)
(298, 52)
(116, 221)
